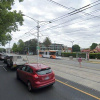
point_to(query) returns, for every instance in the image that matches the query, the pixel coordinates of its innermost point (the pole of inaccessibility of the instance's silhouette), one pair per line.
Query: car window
(20, 67)
(44, 71)
(24, 68)
(28, 69)
(19, 57)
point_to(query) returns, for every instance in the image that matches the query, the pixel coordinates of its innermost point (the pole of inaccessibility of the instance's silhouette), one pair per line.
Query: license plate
(46, 78)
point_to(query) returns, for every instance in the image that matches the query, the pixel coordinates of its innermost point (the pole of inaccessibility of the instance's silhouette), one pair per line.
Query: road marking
(78, 89)
(4, 69)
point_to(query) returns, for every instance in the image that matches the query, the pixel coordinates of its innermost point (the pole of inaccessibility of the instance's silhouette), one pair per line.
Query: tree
(21, 46)
(9, 20)
(2, 50)
(31, 45)
(5, 38)
(47, 42)
(93, 46)
(76, 48)
(14, 48)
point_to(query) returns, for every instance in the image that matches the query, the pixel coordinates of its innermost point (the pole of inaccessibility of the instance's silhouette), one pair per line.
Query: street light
(38, 26)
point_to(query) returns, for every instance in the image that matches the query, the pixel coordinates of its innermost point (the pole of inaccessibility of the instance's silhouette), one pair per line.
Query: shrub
(66, 54)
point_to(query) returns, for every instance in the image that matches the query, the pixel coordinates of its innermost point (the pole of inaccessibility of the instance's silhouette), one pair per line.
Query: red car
(36, 75)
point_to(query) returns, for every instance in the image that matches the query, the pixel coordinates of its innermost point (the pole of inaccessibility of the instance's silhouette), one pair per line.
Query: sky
(81, 28)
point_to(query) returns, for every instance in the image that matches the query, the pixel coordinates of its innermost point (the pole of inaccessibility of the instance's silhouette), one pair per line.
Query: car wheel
(29, 86)
(51, 84)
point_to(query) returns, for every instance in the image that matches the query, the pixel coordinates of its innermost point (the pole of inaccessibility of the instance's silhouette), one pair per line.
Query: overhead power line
(81, 9)
(75, 10)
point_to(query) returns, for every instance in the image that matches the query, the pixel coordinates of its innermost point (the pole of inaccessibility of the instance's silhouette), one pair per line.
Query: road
(88, 75)
(63, 89)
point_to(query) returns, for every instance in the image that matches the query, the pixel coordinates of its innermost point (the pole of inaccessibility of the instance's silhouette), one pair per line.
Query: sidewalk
(94, 61)
(97, 61)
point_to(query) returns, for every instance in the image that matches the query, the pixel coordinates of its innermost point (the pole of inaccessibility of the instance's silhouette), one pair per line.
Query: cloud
(82, 28)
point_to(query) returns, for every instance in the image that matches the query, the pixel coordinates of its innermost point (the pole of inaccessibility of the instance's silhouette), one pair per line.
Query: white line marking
(4, 69)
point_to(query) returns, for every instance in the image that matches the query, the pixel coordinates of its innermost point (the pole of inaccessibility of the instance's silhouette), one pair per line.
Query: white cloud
(45, 10)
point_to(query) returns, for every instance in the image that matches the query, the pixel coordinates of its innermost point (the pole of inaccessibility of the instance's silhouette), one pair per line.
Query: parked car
(14, 61)
(2, 56)
(5, 59)
(36, 75)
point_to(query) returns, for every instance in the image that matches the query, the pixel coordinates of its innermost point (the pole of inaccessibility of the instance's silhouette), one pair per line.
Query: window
(41, 52)
(44, 71)
(52, 53)
(19, 57)
(23, 68)
(28, 69)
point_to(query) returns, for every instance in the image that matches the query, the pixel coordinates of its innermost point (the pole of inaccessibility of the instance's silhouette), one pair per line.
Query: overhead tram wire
(56, 26)
(85, 7)
(71, 8)
(72, 14)
(68, 24)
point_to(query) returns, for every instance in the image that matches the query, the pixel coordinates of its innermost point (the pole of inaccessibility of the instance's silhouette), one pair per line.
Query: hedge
(94, 55)
(65, 54)
(91, 55)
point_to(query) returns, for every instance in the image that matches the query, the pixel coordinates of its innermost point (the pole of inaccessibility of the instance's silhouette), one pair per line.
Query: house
(97, 49)
(68, 49)
(85, 50)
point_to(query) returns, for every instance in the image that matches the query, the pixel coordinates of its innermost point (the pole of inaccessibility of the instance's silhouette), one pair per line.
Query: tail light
(36, 76)
(53, 73)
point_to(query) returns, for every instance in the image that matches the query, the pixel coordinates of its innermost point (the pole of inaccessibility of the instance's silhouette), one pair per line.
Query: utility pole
(72, 44)
(9, 47)
(38, 27)
(38, 41)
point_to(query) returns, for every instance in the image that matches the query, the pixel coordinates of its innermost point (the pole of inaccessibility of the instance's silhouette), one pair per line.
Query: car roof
(38, 66)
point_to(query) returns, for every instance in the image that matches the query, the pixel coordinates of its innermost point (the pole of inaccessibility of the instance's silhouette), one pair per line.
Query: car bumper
(39, 85)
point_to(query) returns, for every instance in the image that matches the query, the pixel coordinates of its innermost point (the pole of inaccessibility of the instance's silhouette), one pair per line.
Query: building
(96, 50)
(85, 50)
(53, 46)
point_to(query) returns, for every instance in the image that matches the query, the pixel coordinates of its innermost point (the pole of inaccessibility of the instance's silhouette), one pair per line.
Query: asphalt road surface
(13, 89)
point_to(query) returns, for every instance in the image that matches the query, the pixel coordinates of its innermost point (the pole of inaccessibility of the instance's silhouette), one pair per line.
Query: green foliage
(94, 55)
(93, 46)
(2, 50)
(31, 45)
(47, 42)
(91, 55)
(76, 48)
(5, 38)
(14, 48)
(21, 46)
(66, 54)
(9, 20)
